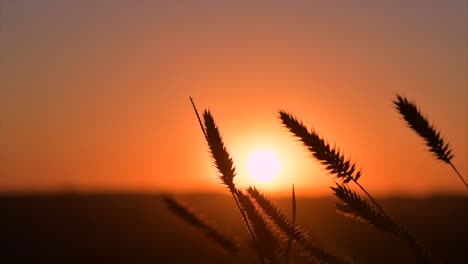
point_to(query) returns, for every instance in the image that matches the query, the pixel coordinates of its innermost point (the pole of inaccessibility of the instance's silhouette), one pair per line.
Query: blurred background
(94, 95)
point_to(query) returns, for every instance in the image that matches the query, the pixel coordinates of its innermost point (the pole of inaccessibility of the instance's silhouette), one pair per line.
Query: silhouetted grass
(272, 233)
(329, 156)
(190, 217)
(292, 232)
(265, 237)
(225, 165)
(344, 169)
(279, 218)
(354, 206)
(419, 123)
(261, 217)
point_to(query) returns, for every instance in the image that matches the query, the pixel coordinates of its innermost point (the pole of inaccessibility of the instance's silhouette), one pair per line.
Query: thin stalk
(459, 175)
(420, 124)
(403, 233)
(199, 119)
(249, 228)
(192, 218)
(372, 199)
(244, 217)
(291, 236)
(233, 191)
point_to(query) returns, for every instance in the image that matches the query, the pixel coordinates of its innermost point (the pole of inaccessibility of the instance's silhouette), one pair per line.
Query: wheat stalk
(266, 240)
(352, 205)
(344, 169)
(276, 215)
(194, 219)
(223, 161)
(329, 156)
(263, 237)
(221, 158)
(433, 139)
(198, 118)
(262, 241)
(290, 230)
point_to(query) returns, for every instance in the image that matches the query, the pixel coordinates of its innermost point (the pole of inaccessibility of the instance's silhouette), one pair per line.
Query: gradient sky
(94, 95)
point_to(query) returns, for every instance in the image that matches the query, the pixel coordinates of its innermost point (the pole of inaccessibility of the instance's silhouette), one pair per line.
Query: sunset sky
(94, 96)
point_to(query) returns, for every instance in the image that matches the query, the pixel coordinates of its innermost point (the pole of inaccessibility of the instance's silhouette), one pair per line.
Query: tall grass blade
(433, 139)
(290, 230)
(193, 219)
(352, 205)
(223, 162)
(221, 157)
(265, 238)
(198, 117)
(329, 156)
(416, 121)
(291, 234)
(344, 169)
(276, 215)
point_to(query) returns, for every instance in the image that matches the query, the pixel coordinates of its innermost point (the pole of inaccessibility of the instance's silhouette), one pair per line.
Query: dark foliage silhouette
(419, 123)
(227, 243)
(271, 232)
(351, 203)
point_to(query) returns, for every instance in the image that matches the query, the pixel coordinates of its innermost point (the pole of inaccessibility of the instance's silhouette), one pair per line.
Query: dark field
(139, 229)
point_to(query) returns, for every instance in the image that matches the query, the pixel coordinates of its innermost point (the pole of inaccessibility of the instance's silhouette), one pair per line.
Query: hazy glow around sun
(263, 165)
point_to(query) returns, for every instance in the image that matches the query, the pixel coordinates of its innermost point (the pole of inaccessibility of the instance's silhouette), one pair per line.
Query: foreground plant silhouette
(268, 227)
(351, 204)
(416, 121)
(227, 243)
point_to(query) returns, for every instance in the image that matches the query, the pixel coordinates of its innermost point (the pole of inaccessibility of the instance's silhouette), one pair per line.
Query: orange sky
(95, 96)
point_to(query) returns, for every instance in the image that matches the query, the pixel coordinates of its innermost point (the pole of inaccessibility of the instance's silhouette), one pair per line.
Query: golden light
(263, 165)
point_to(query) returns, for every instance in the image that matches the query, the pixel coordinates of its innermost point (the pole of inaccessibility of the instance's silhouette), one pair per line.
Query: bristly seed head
(416, 120)
(329, 156)
(219, 153)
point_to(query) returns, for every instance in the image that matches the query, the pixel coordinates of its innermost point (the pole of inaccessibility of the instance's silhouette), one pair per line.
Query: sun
(263, 165)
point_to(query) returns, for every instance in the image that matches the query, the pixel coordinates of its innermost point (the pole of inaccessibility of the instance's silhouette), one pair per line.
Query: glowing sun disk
(263, 165)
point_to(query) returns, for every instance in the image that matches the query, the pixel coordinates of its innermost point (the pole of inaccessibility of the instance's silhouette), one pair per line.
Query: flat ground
(137, 228)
